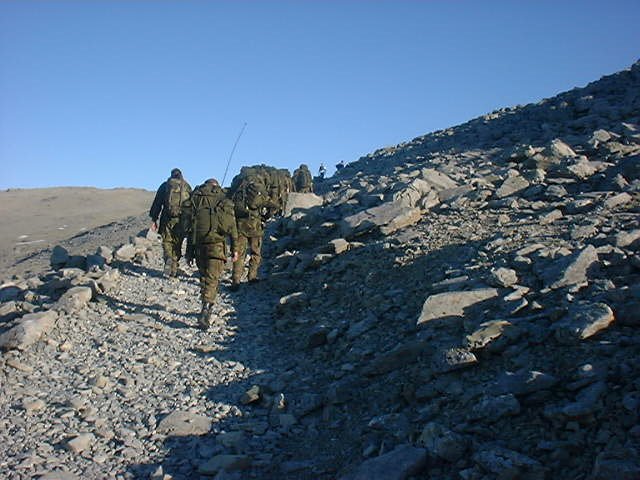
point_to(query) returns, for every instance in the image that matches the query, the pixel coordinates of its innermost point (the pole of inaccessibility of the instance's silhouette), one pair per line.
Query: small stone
(125, 253)
(33, 404)
(338, 246)
(18, 365)
(442, 442)
(551, 217)
(618, 200)
(487, 333)
(491, 409)
(74, 299)
(525, 382)
(503, 277)
(227, 463)
(181, 424)
(455, 359)
(252, 395)
(81, 443)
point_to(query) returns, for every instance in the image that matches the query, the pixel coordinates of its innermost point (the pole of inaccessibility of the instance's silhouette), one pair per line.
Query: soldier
(212, 224)
(250, 199)
(302, 180)
(167, 205)
(322, 171)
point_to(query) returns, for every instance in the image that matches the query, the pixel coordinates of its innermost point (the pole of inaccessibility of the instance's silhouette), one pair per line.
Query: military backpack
(210, 210)
(177, 193)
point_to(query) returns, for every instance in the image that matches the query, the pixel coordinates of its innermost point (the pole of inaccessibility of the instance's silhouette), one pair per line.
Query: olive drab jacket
(169, 200)
(211, 221)
(302, 180)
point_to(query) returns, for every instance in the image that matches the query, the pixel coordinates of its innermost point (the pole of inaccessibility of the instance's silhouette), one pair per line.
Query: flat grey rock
(29, 330)
(583, 321)
(180, 424)
(453, 304)
(399, 464)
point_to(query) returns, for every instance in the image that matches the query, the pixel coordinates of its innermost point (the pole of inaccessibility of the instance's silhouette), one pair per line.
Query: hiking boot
(253, 280)
(204, 321)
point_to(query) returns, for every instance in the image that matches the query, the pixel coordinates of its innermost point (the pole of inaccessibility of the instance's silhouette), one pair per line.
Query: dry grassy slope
(36, 219)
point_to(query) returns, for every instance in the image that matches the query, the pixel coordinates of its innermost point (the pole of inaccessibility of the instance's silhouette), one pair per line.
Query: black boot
(204, 321)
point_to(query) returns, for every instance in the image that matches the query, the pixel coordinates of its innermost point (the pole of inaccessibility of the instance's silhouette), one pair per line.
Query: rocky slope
(462, 306)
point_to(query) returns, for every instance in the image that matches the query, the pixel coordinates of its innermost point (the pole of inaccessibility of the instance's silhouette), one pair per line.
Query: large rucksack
(248, 198)
(177, 193)
(210, 208)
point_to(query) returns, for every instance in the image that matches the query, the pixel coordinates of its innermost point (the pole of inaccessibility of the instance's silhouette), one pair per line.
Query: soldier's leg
(209, 281)
(176, 251)
(167, 250)
(238, 265)
(255, 243)
(214, 269)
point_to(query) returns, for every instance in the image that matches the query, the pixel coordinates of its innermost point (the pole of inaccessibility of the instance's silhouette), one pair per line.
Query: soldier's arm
(156, 206)
(231, 228)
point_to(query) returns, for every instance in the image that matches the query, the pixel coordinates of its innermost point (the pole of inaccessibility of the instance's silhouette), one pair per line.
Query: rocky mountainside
(462, 306)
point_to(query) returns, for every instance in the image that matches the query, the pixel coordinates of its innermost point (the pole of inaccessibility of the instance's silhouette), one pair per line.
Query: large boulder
(453, 304)
(297, 201)
(573, 269)
(512, 185)
(412, 193)
(399, 464)
(59, 257)
(74, 299)
(387, 218)
(29, 330)
(584, 321)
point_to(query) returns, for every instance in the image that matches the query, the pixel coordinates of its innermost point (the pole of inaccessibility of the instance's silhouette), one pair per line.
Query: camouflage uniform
(302, 180)
(249, 200)
(212, 223)
(171, 226)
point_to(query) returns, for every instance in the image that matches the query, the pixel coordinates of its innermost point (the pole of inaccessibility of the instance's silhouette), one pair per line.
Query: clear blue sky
(116, 93)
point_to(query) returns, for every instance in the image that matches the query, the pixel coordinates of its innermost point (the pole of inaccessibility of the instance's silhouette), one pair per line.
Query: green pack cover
(176, 195)
(212, 214)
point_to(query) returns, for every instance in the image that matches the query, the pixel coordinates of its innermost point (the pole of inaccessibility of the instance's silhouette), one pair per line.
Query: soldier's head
(176, 173)
(212, 182)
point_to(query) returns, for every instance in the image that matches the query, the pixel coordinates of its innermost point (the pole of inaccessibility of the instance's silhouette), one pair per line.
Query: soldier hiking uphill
(302, 180)
(212, 224)
(168, 207)
(250, 201)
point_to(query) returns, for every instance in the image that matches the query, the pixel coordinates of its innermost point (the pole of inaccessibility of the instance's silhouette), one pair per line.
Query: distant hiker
(302, 180)
(251, 202)
(322, 171)
(168, 207)
(340, 165)
(212, 224)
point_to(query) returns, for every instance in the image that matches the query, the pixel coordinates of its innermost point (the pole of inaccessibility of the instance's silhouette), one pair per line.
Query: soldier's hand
(154, 227)
(235, 257)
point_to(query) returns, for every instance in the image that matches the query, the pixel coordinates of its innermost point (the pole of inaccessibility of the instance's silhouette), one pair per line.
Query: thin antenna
(233, 150)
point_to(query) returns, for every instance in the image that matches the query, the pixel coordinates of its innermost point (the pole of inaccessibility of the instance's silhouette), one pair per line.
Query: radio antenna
(232, 151)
